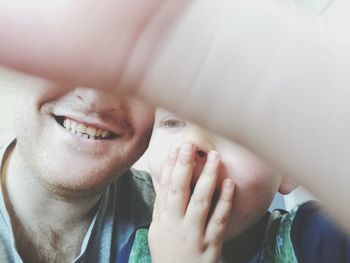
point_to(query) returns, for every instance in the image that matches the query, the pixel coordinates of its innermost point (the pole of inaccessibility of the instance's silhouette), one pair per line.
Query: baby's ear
(287, 185)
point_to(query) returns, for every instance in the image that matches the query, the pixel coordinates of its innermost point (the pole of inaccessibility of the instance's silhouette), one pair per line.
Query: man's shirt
(126, 205)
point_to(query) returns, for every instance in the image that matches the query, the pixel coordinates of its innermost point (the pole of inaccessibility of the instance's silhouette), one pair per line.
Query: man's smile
(87, 131)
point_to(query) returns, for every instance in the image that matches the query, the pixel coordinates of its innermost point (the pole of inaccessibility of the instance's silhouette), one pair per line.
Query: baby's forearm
(84, 42)
(269, 81)
(31, 39)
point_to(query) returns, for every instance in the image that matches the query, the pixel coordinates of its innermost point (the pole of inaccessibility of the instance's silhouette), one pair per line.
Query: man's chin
(78, 183)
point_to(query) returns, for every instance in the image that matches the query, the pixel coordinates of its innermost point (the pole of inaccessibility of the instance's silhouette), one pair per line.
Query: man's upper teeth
(81, 129)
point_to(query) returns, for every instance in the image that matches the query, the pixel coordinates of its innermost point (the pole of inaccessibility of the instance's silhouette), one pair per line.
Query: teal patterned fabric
(140, 251)
(277, 246)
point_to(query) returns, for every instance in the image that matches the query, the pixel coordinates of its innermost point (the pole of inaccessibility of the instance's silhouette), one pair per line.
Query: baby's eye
(171, 123)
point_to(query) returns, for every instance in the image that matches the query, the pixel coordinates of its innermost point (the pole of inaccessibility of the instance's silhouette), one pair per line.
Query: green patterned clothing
(304, 234)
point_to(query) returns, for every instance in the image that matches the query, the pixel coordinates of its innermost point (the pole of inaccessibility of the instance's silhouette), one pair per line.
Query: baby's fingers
(164, 180)
(201, 199)
(219, 219)
(179, 186)
(162, 186)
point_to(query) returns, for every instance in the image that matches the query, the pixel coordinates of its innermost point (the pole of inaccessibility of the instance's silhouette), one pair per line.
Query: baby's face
(255, 181)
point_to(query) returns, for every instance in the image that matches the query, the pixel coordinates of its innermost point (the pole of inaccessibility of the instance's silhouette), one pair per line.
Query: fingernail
(174, 150)
(228, 184)
(186, 147)
(213, 156)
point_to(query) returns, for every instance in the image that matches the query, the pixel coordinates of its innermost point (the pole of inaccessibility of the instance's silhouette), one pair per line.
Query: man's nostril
(201, 154)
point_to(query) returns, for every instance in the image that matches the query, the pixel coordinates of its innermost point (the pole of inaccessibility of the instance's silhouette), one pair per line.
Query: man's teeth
(85, 131)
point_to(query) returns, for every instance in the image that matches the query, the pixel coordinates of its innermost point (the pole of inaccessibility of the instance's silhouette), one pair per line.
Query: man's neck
(43, 223)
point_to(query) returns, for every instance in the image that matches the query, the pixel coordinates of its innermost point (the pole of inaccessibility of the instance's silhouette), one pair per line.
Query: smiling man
(68, 194)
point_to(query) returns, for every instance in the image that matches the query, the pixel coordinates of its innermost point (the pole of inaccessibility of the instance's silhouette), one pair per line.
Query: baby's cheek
(254, 193)
(155, 165)
(155, 173)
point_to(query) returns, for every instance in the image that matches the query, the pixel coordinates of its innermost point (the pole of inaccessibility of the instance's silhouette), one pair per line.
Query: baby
(212, 201)
(255, 182)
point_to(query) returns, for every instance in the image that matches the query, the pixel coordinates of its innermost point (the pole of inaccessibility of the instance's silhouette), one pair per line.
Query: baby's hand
(183, 228)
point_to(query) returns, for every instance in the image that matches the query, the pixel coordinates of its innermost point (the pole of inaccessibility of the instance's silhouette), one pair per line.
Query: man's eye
(172, 123)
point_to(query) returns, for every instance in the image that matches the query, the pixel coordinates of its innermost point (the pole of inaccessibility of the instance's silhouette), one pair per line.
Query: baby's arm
(184, 227)
(269, 81)
(83, 42)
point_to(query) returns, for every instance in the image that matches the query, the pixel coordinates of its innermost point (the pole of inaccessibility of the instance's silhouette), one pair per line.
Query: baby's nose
(199, 160)
(201, 154)
(201, 139)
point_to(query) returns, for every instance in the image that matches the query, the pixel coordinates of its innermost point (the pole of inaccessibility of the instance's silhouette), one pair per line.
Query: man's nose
(97, 100)
(201, 139)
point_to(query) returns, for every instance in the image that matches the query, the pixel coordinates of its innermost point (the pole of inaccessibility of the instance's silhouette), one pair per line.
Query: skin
(140, 26)
(192, 223)
(273, 81)
(256, 182)
(61, 175)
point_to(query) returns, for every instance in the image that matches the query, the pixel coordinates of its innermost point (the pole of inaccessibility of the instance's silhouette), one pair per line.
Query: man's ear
(287, 185)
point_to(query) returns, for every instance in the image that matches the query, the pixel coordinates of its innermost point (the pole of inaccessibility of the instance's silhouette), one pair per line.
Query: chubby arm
(82, 42)
(269, 81)
(264, 78)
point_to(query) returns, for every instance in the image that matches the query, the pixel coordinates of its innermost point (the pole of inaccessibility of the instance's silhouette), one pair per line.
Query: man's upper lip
(93, 122)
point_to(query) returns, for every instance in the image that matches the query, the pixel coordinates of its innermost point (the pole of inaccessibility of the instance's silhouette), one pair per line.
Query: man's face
(80, 140)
